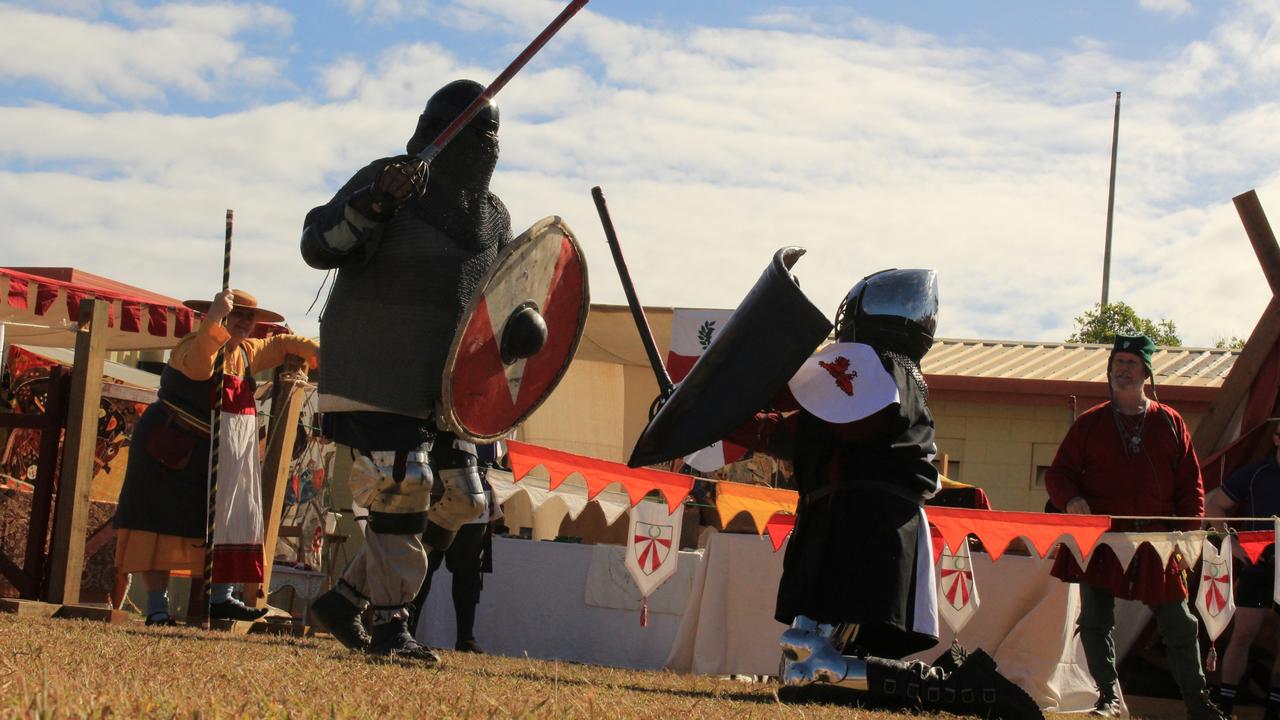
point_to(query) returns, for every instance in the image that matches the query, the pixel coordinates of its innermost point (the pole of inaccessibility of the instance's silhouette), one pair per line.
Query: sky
(973, 138)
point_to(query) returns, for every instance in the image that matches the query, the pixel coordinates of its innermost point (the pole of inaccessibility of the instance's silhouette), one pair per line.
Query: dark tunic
(165, 487)
(853, 553)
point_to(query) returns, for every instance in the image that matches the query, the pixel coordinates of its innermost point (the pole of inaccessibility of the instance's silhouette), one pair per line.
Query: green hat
(1139, 345)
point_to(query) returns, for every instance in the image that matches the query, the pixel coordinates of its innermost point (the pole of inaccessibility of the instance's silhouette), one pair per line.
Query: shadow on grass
(761, 697)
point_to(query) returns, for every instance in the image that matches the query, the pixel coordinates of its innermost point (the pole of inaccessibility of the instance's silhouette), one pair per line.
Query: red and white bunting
(653, 541)
(957, 592)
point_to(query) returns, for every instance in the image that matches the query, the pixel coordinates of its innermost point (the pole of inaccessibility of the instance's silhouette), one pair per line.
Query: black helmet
(891, 310)
(445, 105)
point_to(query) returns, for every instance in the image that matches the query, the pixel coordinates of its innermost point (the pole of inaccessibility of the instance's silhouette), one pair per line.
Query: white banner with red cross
(653, 542)
(957, 592)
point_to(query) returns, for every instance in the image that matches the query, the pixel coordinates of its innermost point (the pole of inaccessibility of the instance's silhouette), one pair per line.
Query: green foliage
(1234, 343)
(1102, 323)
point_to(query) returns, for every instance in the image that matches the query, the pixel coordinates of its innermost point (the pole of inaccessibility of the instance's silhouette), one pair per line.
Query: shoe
(161, 619)
(392, 640)
(973, 687)
(332, 611)
(468, 646)
(1200, 707)
(1108, 705)
(233, 609)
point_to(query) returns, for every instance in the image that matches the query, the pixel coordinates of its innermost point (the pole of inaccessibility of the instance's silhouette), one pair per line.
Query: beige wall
(585, 413)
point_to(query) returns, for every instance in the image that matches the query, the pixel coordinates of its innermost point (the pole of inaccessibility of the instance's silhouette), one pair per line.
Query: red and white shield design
(957, 587)
(1215, 601)
(483, 397)
(653, 533)
(651, 546)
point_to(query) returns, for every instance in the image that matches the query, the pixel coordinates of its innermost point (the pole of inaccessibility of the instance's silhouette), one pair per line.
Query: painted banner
(653, 541)
(1215, 601)
(957, 592)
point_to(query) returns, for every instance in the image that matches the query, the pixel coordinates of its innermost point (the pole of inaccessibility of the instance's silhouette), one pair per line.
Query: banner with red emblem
(653, 539)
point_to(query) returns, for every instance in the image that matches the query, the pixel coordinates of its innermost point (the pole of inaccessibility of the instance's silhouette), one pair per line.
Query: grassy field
(67, 668)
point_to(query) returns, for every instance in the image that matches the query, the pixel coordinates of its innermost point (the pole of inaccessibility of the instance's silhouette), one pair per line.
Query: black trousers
(466, 558)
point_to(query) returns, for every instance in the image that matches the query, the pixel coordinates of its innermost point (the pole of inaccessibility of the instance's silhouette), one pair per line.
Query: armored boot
(341, 617)
(1200, 707)
(974, 687)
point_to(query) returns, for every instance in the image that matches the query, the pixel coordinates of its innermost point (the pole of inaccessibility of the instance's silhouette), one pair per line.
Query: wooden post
(1213, 432)
(72, 514)
(286, 405)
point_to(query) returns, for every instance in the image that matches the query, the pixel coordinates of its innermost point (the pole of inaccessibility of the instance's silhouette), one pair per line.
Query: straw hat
(243, 299)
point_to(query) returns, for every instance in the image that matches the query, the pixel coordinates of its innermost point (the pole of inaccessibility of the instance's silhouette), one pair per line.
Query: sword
(431, 151)
(665, 386)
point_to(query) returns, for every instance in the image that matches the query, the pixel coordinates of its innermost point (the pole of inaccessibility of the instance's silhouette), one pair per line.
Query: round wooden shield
(485, 398)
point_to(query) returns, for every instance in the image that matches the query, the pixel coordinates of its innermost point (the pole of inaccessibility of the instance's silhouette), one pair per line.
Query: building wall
(585, 414)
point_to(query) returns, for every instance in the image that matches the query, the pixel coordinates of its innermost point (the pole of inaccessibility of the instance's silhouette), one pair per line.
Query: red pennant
(158, 320)
(778, 528)
(45, 295)
(130, 316)
(184, 321)
(996, 528)
(1254, 542)
(599, 474)
(18, 288)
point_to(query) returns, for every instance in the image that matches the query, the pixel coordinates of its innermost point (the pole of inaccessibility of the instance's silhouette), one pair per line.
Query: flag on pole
(691, 334)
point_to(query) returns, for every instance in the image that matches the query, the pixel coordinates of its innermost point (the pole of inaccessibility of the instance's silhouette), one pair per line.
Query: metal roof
(1078, 362)
(611, 336)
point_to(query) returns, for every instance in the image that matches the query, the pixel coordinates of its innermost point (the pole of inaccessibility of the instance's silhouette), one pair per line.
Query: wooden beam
(1260, 236)
(286, 407)
(72, 514)
(1213, 432)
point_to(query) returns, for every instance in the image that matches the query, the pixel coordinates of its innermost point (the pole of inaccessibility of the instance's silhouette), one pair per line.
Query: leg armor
(396, 487)
(463, 500)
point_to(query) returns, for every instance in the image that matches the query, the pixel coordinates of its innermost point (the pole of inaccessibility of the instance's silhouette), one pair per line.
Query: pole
(1111, 203)
(665, 386)
(431, 151)
(215, 427)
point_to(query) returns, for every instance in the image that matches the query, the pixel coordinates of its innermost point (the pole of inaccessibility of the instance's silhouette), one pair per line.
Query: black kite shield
(487, 389)
(755, 353)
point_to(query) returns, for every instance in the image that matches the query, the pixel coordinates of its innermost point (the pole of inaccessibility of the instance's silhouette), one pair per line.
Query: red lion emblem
(840, 371)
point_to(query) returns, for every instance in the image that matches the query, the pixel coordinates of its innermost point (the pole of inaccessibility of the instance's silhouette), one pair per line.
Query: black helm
(467, 162)
(891, 310)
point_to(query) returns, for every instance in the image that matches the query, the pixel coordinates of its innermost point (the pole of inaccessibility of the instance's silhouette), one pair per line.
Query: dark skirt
(162, 492)
(852, 560)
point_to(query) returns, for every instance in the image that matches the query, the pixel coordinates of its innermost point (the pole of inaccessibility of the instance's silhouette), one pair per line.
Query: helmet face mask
(891, 310)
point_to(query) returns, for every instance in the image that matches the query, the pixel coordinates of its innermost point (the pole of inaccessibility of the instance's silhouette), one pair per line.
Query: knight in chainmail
(410, 245)
(857, 577)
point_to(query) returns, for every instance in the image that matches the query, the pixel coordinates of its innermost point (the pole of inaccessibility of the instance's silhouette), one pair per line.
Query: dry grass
(66, 668)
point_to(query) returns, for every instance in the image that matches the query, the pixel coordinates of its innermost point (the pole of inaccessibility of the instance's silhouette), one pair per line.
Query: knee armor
(396, 487)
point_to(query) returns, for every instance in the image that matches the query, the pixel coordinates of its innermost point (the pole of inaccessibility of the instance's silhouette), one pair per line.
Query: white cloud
(1173, 8)
(895, 150)
(188, 48)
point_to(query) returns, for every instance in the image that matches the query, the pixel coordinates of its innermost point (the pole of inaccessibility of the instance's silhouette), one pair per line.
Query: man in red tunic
(1132, 456)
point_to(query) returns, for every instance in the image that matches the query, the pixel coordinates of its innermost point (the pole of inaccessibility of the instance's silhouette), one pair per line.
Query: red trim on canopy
(598, 474)
(997, 528)
(18, 288)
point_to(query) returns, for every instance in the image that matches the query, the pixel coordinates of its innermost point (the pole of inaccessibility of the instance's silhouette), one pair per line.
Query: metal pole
(1111, 203)
(431, 151)
(642, 323)
(215, 427)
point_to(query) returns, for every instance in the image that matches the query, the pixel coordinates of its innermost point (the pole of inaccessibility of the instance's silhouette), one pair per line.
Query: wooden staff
(215, 427)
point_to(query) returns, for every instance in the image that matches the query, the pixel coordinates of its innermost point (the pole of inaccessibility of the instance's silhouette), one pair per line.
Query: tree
(1102, 323)
(1234, 343)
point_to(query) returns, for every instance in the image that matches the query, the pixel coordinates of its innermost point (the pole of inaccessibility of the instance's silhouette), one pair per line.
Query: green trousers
(1178, 630)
